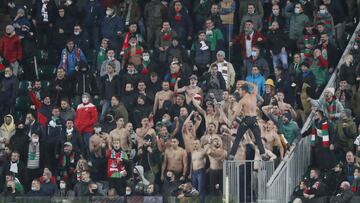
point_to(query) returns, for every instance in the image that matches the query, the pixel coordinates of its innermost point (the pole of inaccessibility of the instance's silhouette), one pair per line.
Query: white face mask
(253, 53)
(85, 100)
(322, 11)
(275, 12)
(69, 2)
(34, 188)
(146, 58)
(7, 75)
(133, 44)
(97, 130)
(109, 12)
(76, 33)
(128, 192)
(297, 10)
(62, 185)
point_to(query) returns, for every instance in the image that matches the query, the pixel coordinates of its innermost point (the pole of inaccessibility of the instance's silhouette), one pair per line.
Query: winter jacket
(48, 189)
(259, 80)
(44, 17)
(297, 23)
(258, 7)
(241, 39)
(43, 111)
(215, 38)
(320, 71)
(67, 114)
(200, 54)
(154, 12)
(110, 88)
(347, 73)
(69, 60)
(120, 112)
(22, 21)
(65, 92)
(10, 48)
(110, 26)
(8, 90)
(228, 72)
(277, 39)
(92, 13)
(345, 136)
(103, 69)
(206, 78)
(85, 118)
(54, 133)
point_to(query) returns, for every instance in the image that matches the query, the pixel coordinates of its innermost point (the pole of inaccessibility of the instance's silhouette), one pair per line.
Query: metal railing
(245, 181)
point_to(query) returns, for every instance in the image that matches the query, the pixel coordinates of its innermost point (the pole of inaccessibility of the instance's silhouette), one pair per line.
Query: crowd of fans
(122, 98)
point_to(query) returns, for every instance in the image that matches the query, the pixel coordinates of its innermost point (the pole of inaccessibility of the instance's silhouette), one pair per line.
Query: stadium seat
(22, 103)
(23, 87)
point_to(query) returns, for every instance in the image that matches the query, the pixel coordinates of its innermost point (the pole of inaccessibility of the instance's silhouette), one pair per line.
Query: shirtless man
(245, 112)
(145, 129)
(122, 134)
(164, 95)
(211, 115)
(98, 141)
(189, 130)
(216, 156)
(197, 168)
(209, 136)
(191, 90)
(175, 159)
(271, 137)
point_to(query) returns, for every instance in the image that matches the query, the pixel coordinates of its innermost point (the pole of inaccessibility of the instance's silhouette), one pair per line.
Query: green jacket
(215, 39)
(345, 135)
(297, 23)
(320, 71)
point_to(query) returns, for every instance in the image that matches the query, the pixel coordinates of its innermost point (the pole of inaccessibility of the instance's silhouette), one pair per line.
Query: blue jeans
(281, 57)
(86, 137)
(104, 109)
(198, 182)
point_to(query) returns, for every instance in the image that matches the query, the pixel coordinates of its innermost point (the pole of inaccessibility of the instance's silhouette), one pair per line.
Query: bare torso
(247, 106)
(190, 92)
(216, 158)
(198, 159)
(163, 96)
(175, 159)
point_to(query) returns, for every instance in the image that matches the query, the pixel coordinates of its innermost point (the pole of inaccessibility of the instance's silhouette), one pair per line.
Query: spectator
(92, 13)
(60, 87)
(297, 22)
(214, 37)
(226, 69)
(15, 167)
(81, 187)
(226, 12)
(345, 195)
(277, 42)
(256, 60)
(85, 117)
(81, 39)
(181, 22)
(71, 57)
(305, 86)
(110, 59)
(111, 27)
(119, 110)
(8, 92)
(66, 111)
(11, 49)
(200, 53)
(7, 130)
(154, 13)
(163, 40)
(215, 16)
(35, 189)
(256, 78)
(133, 53)
(253, 16)
(67, 164)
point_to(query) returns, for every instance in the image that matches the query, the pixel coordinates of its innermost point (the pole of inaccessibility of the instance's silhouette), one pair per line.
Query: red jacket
(11, 48)
(85, 117)
(241, 39)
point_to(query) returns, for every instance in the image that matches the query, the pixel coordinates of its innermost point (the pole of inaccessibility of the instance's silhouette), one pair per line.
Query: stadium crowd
(137, 97)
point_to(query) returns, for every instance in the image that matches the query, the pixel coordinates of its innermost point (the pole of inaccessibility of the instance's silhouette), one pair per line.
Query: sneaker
(265, 157)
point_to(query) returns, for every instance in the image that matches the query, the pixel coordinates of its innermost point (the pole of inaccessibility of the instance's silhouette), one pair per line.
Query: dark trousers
(248, 122)
(44, 33)
(215, 177)
(30, 175)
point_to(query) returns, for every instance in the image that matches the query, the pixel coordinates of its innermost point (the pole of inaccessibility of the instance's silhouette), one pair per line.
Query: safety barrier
(245, 181)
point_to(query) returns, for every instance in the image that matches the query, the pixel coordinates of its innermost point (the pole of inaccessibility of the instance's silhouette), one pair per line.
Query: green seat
(22, 103)
(23, 87)
(47, 72)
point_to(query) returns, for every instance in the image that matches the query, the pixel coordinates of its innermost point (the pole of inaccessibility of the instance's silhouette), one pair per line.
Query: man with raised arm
(245, 114)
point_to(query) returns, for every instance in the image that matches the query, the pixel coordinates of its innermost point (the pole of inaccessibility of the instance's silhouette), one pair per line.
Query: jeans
(280, 57)
(339, 34)
(248, 122)
(104, 109)
(198, 182)
(228, 33)
(86, 138)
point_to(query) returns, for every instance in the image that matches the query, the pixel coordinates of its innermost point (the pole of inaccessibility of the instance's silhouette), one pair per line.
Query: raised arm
(198, 107)
(187, 120)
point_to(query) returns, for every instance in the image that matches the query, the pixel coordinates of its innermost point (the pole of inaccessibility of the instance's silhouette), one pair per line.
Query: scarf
(167, 35)
(33, 156)
(321, 131)
(65, 54)
(331, 106)
(355, 185)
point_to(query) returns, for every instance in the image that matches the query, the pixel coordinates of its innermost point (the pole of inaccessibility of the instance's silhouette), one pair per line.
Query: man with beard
(272, 138)
(320, 140)
(67, 164)
(209, 136)
(197, 168)
(164, 95)
(175, 159)
(145, 129)
(216, 156)
(61, 87)
(70, 57)
(245, 113)
(190, 90)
